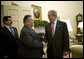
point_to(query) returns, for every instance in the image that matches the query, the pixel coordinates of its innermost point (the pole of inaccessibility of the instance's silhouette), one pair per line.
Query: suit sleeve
(46, 35)
(29, 41)
(66, 38)
(5, 44)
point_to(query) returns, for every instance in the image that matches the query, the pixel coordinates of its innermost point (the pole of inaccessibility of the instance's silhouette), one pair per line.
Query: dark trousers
(50, 55)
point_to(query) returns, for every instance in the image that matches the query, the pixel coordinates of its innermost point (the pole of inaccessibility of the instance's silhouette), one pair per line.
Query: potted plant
(40, 26)
(38, 23)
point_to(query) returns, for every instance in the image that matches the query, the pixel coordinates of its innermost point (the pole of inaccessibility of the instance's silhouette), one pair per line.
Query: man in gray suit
(31, 44)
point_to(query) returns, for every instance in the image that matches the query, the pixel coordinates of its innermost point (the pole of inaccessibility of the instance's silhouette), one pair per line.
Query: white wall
(65, 9)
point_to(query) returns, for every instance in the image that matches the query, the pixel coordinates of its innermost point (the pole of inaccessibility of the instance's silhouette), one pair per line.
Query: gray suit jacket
(32, 47)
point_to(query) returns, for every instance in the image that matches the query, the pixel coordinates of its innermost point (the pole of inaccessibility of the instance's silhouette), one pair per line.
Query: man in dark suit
(1, 50)
(31, 44)
(9, 39)
(56, 34)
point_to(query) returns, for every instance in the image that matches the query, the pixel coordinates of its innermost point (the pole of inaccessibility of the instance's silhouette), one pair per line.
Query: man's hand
(44, 47)
(43, 43)
(66, 53)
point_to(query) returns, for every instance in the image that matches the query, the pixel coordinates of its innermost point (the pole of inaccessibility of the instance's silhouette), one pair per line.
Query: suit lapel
(50, 30)
(57, 28)
(8, 32)
(29, 29)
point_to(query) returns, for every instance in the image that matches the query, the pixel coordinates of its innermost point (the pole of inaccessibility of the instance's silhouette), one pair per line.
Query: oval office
(41, 29)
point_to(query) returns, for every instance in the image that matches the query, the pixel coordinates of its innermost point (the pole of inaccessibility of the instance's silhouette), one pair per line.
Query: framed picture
(37, 12)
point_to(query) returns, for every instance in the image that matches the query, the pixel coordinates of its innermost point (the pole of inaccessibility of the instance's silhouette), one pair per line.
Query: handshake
(45, 47)
(44, 43)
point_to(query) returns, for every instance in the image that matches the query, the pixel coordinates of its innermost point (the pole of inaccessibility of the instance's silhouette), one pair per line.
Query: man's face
(9, 22)
(30, 22)
(51, 17)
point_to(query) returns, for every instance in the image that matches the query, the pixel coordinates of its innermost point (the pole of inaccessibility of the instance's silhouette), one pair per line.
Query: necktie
(52, 30)
(12, 31)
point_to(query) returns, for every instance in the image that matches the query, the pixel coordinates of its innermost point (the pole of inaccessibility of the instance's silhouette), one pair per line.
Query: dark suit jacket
(60, 42)
(31, 45)
(1, 43)
(9, 42)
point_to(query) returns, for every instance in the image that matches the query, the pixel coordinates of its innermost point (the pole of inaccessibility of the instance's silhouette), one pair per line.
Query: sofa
(77, 51)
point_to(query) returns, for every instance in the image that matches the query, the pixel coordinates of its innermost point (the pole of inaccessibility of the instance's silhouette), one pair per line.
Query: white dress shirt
(55, 23)
(8, 27)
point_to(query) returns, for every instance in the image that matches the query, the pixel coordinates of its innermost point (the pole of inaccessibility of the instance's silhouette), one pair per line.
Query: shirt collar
(55, 21)
(7, 26)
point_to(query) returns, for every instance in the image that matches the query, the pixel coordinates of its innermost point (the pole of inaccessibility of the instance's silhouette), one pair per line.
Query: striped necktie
(12, 31)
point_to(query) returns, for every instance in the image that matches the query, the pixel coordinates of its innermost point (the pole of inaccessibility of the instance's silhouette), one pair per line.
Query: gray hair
(54, 13)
